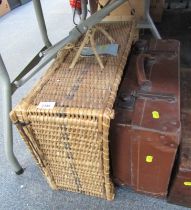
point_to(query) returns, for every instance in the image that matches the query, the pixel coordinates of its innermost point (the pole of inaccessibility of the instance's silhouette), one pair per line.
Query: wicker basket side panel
(73, 150)
(108, 115)
(29, 139)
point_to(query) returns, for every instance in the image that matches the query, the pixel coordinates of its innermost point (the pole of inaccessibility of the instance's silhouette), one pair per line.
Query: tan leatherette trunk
(145, 132)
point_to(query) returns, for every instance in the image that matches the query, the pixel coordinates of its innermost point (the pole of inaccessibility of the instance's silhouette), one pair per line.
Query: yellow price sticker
(156, 115)
(149, 158)
(187, 184)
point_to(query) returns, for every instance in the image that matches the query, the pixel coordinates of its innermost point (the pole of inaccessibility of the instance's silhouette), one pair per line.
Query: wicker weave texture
(70, 141)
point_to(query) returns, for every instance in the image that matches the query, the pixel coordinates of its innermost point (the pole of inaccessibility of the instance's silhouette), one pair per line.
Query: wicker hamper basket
(70, 139)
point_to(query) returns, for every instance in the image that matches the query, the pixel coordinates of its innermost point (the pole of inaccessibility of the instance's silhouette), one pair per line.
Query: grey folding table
(46, 54)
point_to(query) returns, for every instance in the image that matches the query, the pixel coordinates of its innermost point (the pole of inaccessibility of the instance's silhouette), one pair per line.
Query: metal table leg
(169, 4)
(7, 125)
(187, 4)
(41, 22)
(153, 27)
(84, 9)
(148, 22)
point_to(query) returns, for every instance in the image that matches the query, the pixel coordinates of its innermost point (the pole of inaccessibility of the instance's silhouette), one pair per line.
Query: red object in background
(75, 4)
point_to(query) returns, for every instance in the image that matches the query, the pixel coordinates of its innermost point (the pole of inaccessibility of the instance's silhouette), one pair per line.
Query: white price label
(46, 105)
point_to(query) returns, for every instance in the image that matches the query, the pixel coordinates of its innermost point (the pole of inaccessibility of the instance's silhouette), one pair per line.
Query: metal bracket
(28, 68)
